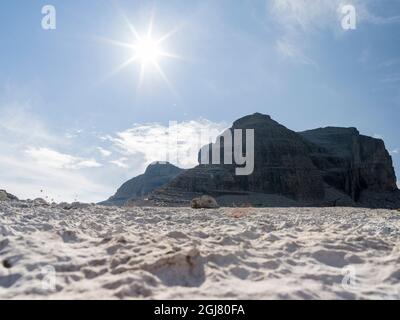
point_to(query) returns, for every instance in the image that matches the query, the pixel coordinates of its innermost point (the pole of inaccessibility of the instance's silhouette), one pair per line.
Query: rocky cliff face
(155, 176)
(282, 165)
(351, 162)
(321, 167)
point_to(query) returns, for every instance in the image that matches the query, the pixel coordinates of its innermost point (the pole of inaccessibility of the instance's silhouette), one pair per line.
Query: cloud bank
(178, 143)
(36, 162)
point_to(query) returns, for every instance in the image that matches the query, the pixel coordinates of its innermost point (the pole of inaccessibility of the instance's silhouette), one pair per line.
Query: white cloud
(105, 153)
(312, 15)
(73, 134)
(55, 159)
(371, 18)
(178, 143)
(29, 162)
(38, 162)
(86, 163)
(294, 19)
(287, 49)
(18, 124)
(378, 136)
(297, 21)
(120, 163)
(27, 179)
(395, 151)
(303, 15)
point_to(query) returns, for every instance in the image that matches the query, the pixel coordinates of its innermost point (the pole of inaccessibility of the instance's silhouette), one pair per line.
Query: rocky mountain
(351, 162)
(282, 165)
(322, 167)
(156, 175)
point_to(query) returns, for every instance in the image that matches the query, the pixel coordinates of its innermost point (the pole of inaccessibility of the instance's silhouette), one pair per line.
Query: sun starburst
(147, 51)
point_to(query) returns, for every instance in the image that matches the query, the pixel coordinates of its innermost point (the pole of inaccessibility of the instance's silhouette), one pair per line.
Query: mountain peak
(161, 168)
(156, 175)
(254, 121)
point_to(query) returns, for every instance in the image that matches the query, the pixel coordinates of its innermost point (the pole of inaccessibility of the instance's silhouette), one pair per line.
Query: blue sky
(71, 131)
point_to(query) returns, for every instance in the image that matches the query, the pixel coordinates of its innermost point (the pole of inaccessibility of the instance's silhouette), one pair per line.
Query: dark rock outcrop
(352, 163)
(155, 176)
(282, 165)
(5, 196)
(321, 167)
(204, 202)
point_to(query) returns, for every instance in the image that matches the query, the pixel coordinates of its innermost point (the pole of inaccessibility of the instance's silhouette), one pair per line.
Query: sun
(147, 51)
